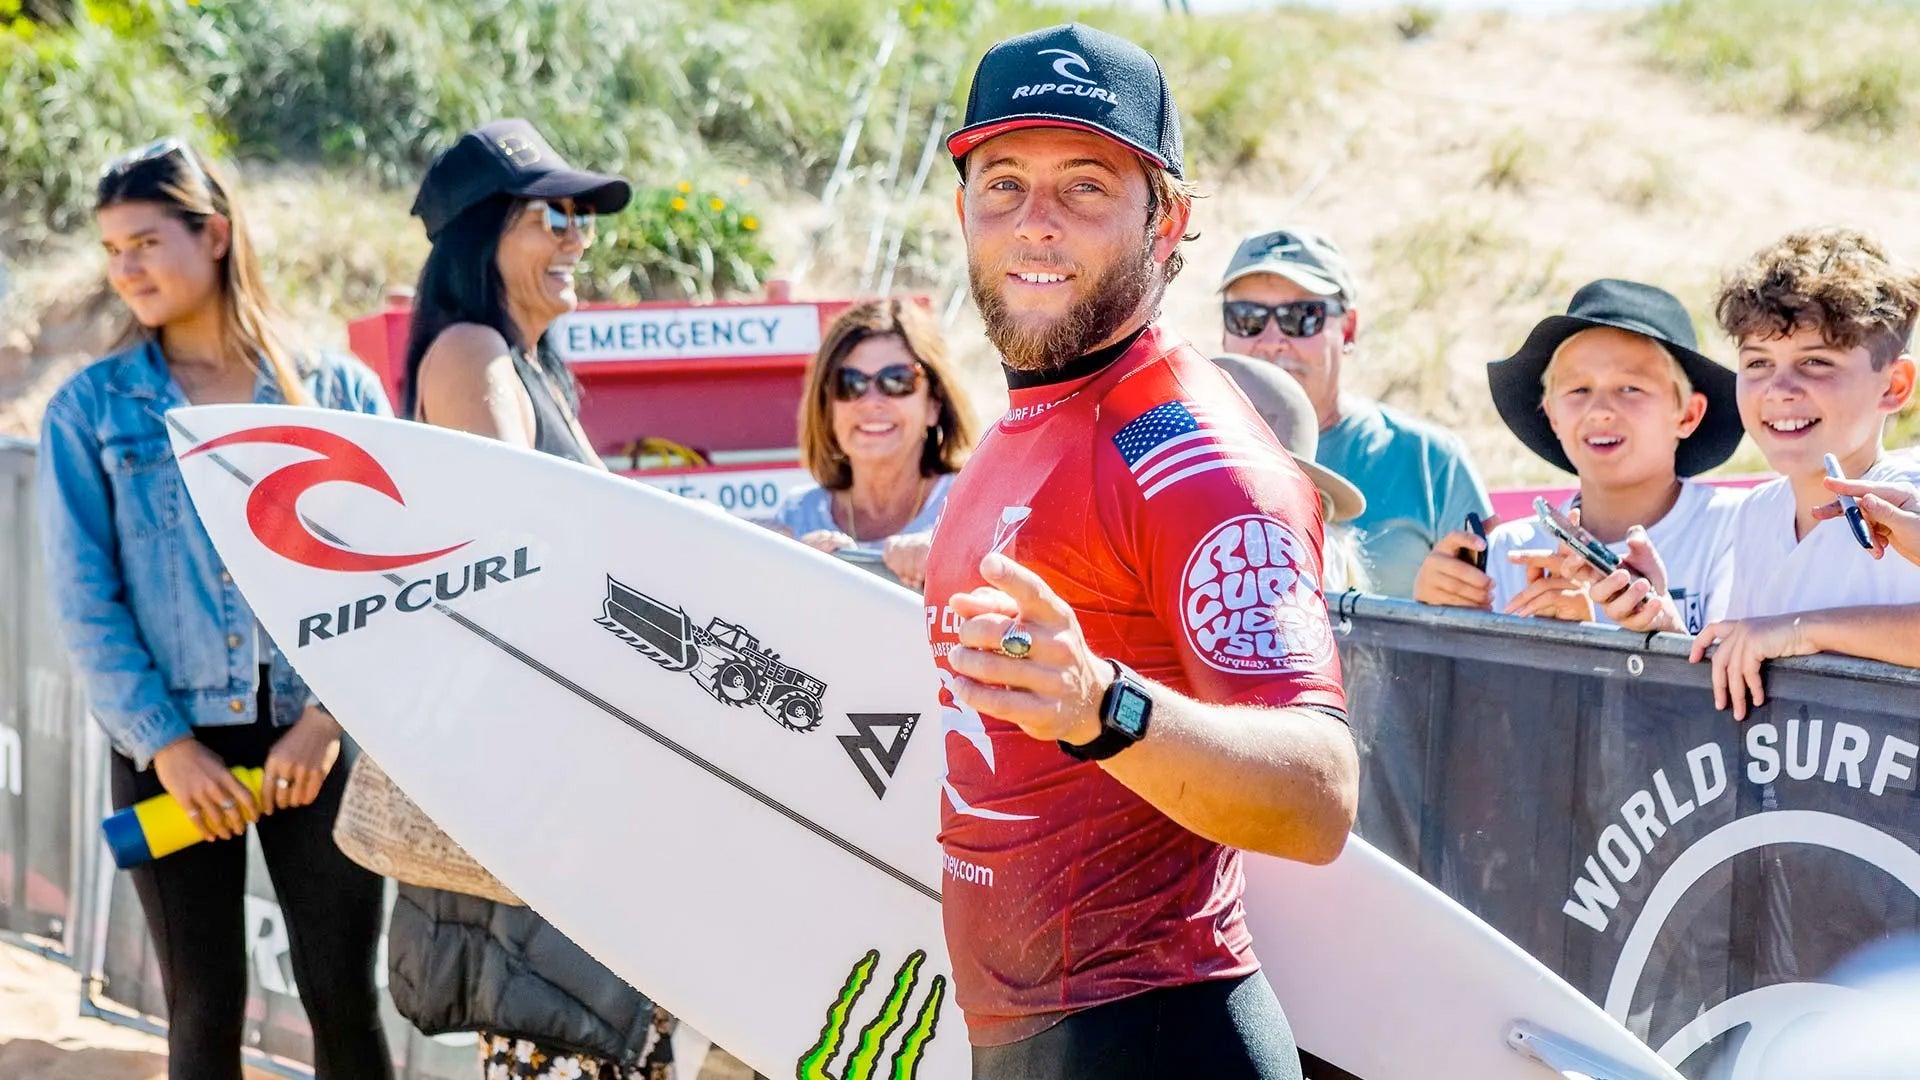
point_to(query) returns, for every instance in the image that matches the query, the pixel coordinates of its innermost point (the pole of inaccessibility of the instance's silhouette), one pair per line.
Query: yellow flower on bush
(749, 223)
(685, 187)
(678, 204)
(716, 204)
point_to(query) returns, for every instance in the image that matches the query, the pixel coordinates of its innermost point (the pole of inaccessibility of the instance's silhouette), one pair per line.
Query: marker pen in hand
(1856, 520)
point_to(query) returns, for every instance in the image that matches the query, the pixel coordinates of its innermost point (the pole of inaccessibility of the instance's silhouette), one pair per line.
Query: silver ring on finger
(282, 783)
(227, 804)
(1016, 643)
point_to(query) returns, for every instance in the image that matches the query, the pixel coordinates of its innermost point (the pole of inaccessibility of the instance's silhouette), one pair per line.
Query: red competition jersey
(1159, 506)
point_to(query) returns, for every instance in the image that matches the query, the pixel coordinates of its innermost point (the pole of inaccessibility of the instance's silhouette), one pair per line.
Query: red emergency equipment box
(722, 380)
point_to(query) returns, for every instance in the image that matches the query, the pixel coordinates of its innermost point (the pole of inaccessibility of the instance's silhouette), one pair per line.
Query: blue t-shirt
(1418, 483)
(809, 509)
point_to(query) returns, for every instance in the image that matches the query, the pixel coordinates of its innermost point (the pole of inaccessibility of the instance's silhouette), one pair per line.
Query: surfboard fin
(1568, 1058)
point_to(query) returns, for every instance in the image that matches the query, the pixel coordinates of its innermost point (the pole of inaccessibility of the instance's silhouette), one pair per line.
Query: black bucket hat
(508, 157)
(1640, 309)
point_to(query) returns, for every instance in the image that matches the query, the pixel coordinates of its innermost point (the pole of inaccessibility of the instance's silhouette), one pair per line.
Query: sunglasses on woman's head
(558, 221)
(1299, 319)
(157, 150)
(894, 380)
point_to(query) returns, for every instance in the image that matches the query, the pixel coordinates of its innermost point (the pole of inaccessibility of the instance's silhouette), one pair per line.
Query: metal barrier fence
(39, 702)
(1571, 785)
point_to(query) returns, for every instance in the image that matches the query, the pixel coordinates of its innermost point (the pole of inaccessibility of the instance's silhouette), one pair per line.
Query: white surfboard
(713, 757)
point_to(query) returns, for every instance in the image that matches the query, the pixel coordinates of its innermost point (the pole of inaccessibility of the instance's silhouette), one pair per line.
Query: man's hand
(1634, 596)
(215, 800)
(906, 556)
(299, 761)
(1743, 644)
(1892, 512)
(1548, 594)
(1447, 580)
(1052, 693)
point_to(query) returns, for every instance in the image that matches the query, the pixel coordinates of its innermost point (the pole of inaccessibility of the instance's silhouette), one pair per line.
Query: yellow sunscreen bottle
(152, 828)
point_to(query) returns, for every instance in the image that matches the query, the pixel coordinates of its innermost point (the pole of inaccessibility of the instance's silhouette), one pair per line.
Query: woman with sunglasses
(509, 221)
(176, 668)
(883, 428)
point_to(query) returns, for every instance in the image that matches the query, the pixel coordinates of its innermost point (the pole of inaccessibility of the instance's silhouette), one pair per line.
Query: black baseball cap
(1640, 309)
(1072, 76)
(508, 157)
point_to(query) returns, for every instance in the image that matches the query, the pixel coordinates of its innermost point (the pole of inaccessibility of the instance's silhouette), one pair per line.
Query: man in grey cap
(1288, 297)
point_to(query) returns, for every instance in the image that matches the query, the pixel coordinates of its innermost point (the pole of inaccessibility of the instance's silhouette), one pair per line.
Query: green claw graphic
(873, 1038)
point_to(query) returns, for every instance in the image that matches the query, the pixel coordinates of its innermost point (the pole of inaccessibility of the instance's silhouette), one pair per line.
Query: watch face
(1130, 712)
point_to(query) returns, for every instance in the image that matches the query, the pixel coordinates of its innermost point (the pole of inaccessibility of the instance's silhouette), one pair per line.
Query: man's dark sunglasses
(1299, 319)
(894, 380)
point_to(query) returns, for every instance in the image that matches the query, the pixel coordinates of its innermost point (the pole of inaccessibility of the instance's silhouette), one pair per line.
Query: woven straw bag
(382, 830)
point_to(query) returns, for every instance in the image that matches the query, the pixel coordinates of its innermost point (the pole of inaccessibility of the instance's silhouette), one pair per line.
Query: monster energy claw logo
(864, 1062)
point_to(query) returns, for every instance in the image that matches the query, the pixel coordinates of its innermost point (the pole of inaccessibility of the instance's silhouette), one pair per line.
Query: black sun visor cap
(508, 157)
(1072, 76)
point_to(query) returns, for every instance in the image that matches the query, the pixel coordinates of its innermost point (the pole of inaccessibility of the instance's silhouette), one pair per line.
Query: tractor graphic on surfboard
(725, 659)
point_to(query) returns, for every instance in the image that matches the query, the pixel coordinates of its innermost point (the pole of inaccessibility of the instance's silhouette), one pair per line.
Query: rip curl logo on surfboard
(273, 511)
(725, 659)
(864, 1062)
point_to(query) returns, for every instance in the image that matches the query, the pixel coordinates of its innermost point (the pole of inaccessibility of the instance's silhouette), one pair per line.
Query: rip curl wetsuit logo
(273, 511)
(1250, 599)
(864, 1063)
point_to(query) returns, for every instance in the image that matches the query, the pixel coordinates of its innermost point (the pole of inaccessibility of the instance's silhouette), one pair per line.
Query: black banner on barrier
(1575, 788)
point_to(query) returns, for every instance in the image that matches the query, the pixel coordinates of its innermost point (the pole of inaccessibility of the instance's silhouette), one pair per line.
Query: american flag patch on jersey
(1172, 442)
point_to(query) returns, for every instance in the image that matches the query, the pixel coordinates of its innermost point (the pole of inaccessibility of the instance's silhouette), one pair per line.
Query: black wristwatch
(1125, 712)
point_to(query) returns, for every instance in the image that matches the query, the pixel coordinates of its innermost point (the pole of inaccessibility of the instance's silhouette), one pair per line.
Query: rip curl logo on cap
(273, 507)
(1064, 67)
(1077, 79)
(1250, 602)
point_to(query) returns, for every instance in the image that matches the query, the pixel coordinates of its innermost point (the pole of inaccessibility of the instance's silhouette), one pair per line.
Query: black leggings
(1229, 1029)
(194, 907)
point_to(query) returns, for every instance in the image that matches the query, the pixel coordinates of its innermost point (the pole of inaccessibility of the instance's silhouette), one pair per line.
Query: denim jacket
(162, 639)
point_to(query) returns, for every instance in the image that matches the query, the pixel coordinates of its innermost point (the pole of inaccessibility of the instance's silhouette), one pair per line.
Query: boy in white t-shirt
(1616, 392)
(1823, 320)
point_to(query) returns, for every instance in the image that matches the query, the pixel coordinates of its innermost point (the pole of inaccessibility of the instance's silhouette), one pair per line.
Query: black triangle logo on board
(868, 749)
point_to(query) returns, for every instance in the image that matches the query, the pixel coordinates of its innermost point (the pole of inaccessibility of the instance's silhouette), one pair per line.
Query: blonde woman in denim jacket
(176, 669)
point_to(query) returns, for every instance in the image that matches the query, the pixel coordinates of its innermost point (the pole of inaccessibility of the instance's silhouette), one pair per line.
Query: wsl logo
(1841, 766)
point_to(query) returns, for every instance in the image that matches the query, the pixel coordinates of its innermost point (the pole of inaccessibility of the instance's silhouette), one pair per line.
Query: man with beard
(1288, 296)
(1124, 603)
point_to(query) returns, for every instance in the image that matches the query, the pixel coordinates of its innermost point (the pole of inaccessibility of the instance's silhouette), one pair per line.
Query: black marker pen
(1856, 520)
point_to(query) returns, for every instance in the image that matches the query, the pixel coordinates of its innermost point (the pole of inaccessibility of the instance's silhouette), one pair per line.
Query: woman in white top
(883, 428)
